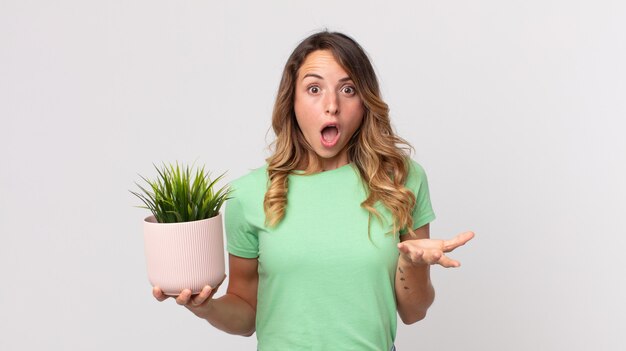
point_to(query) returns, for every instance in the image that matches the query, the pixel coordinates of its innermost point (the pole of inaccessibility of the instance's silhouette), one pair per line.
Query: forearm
(231, 314)
(414, 291)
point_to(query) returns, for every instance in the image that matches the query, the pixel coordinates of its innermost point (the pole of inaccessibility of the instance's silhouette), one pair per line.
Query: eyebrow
(320, 77)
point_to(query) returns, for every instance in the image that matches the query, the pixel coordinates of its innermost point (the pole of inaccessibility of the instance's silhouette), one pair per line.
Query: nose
(332, 104)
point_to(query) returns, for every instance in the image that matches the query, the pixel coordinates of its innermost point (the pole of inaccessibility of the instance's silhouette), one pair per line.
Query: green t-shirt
(323, 284)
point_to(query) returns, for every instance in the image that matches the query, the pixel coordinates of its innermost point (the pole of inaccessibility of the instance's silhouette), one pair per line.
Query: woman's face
(328, 108)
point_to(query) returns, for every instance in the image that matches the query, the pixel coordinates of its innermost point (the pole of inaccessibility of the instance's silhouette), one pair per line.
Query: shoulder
(415, 170)
(253, 176)
(253, 181)
(416, 176)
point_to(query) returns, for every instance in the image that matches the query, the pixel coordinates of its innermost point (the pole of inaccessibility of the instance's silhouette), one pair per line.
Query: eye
(314, 89)
(349, 90)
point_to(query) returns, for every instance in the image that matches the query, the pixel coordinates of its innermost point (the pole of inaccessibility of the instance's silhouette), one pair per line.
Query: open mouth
(330, 135)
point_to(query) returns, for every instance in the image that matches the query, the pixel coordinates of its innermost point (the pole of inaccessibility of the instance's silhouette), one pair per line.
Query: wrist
(205, 310)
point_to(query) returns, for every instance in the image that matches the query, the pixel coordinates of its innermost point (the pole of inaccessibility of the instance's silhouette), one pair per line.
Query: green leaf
(182, 193)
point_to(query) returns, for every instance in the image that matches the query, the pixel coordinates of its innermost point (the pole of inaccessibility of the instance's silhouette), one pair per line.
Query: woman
(331, 237)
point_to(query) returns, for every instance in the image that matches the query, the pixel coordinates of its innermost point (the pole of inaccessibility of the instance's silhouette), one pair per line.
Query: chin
(325, 154)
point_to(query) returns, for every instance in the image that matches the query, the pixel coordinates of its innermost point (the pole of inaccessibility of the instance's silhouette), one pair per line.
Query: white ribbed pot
(186, 255)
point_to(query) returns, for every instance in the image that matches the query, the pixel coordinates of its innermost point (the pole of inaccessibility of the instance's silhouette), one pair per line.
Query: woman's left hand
(432, 251)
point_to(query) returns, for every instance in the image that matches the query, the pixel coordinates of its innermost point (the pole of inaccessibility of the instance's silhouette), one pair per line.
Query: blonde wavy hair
(381, 157)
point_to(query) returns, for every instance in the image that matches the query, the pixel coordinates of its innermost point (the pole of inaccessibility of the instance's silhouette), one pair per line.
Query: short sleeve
(417, 182)
(241, 240)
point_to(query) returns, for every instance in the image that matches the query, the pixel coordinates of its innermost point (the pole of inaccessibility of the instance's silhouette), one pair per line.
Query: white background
(516, 109)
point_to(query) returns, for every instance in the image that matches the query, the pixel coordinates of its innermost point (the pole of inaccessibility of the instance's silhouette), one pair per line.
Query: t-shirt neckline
(343, 168)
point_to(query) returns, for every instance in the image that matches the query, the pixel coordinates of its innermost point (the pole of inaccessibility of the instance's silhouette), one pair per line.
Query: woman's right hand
(235, 311)
(199, 304)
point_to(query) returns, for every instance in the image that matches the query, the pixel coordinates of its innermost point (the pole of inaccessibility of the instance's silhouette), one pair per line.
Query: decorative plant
(176, 196)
